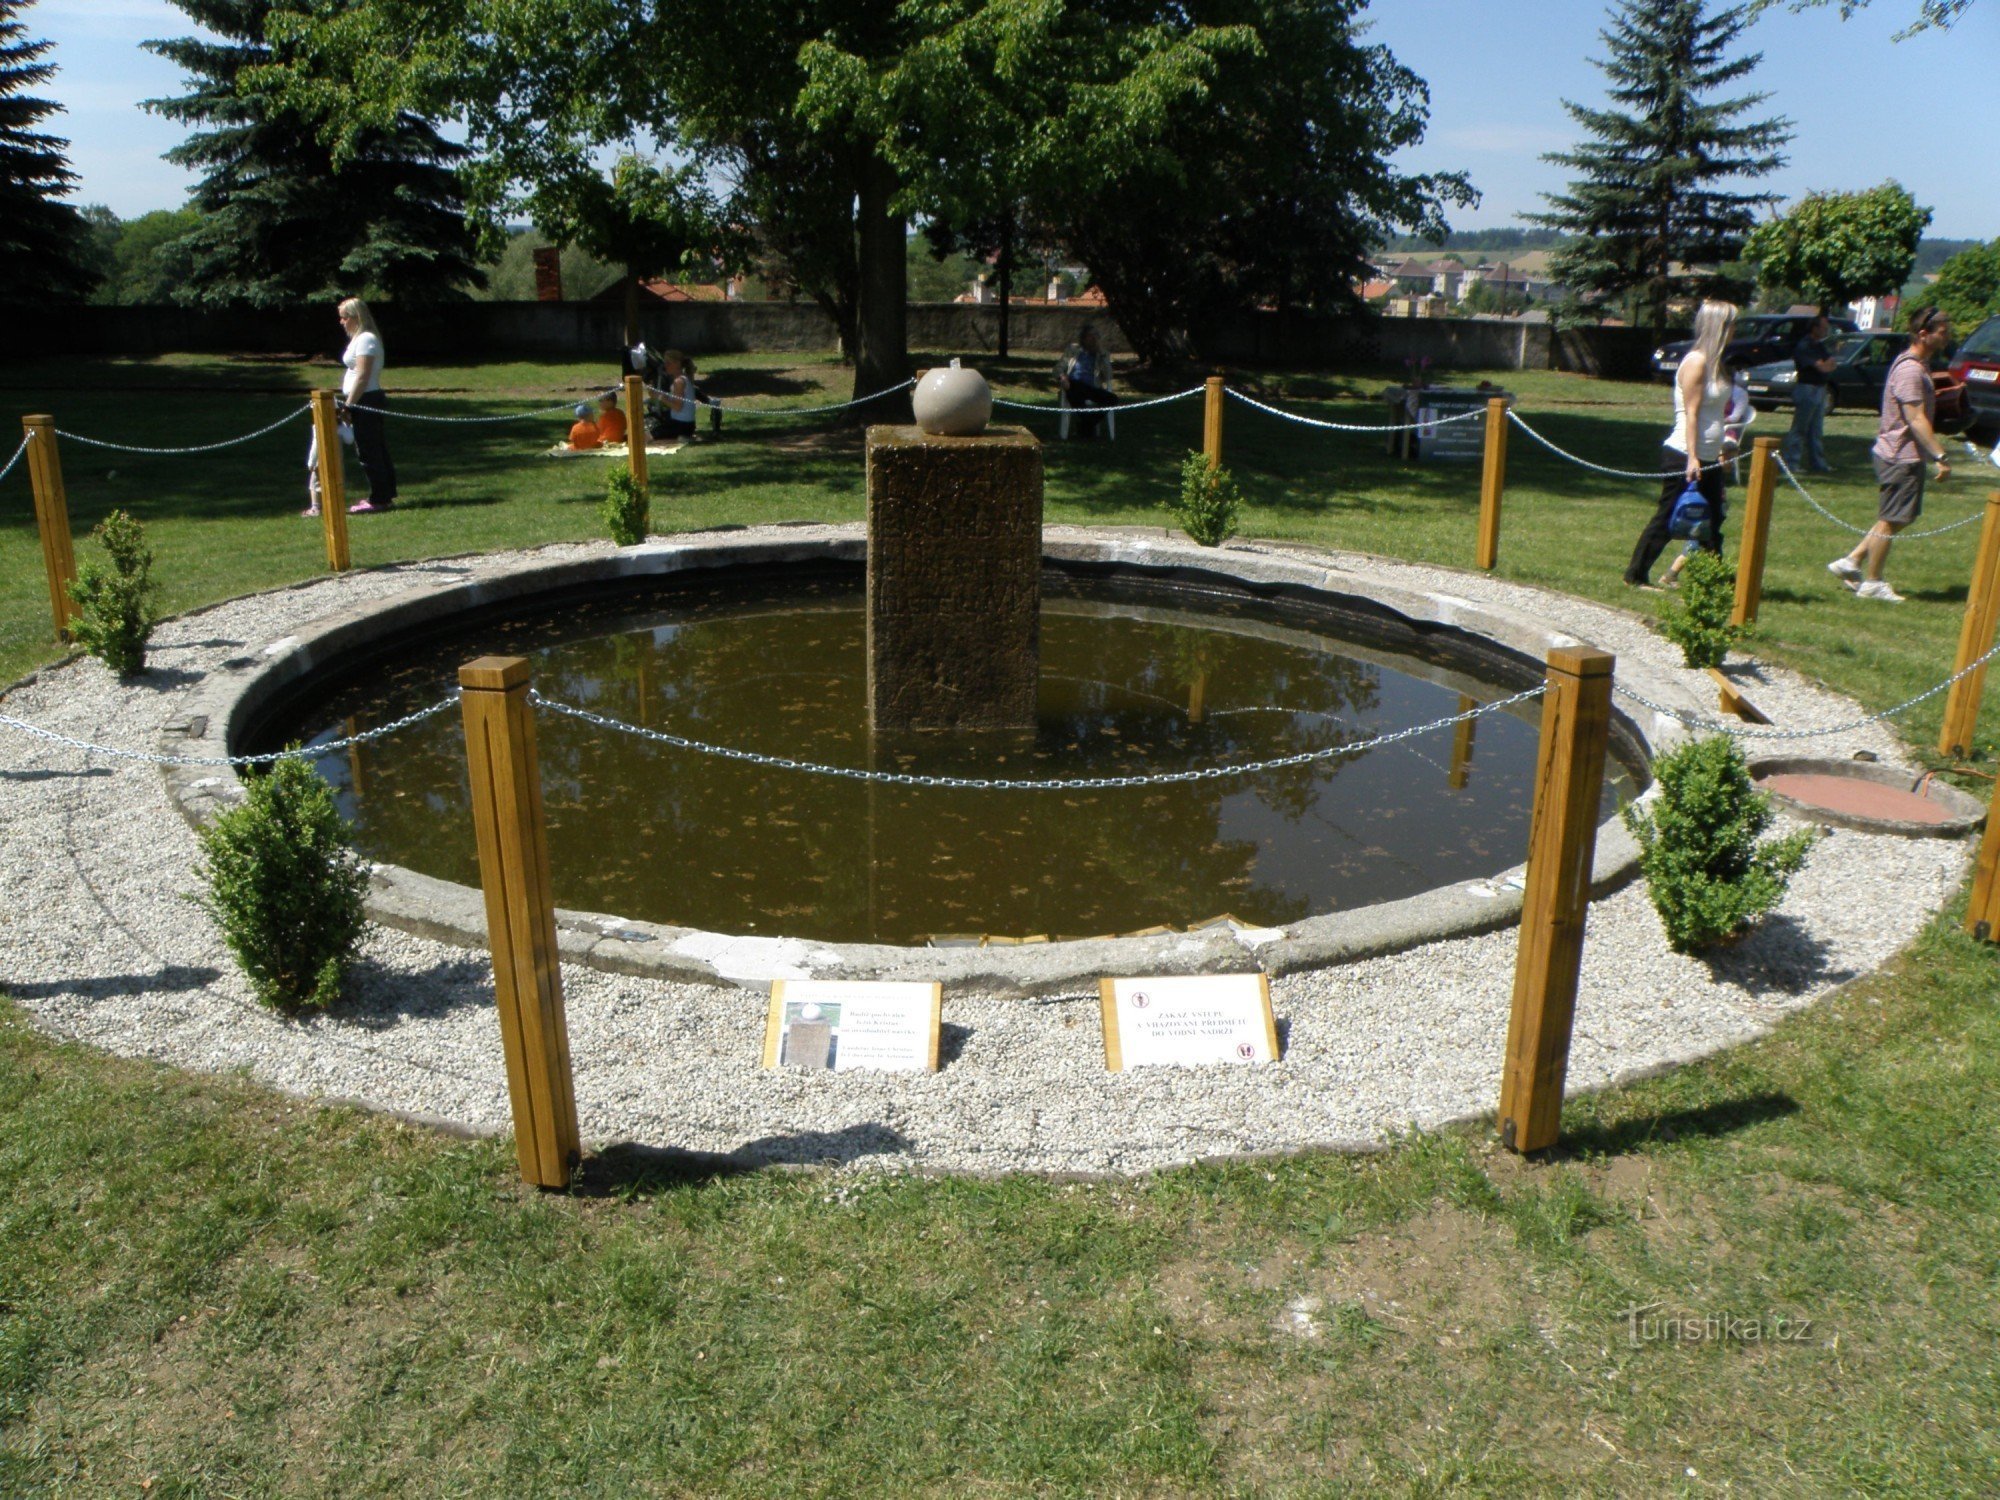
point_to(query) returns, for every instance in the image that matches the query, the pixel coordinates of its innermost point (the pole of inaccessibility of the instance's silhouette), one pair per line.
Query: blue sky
(1923, 111)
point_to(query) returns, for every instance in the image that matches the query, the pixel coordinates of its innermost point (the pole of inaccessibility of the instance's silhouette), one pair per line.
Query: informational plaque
(1189, 1021)
(1439, 438)
(889, 1027)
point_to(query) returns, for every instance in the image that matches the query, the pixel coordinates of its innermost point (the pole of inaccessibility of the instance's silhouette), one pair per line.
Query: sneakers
(1847, 570)
(1877, 588)
(368, 507)
(310, 510)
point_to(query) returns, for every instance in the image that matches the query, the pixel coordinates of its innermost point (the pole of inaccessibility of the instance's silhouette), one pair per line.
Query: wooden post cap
(1581, 661)
(494, 674)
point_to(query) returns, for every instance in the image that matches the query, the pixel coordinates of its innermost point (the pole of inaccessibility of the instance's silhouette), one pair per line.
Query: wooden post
(520, 914)
(332, 481)
(1211, 423)
(52, 517)
(1569, 779)
(635, 428)
(1756, 532)
(1461, 747)
(1982, 912)
(1493, 480)
(1975, 638)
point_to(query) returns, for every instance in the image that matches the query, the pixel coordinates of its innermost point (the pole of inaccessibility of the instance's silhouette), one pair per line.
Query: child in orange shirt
(584, 434)
(610, 420)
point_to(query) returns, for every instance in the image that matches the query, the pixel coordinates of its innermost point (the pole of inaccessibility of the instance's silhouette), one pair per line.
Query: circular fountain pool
(1143, 671)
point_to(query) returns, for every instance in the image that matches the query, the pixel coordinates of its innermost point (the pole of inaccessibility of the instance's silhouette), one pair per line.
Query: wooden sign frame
(1107, 1002)
(774, 1016)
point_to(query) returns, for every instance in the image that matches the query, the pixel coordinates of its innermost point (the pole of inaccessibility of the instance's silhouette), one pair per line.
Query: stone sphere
(953, 402)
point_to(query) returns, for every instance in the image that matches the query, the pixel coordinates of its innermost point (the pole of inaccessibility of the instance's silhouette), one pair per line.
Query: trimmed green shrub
(116, 603)
(1708, 875)
(626, 509)
(1208, 504)
(285, 887)
(1698, 620)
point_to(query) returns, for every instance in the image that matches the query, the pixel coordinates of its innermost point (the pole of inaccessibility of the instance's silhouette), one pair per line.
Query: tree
(1930, 13)
(280, 221)
(1968, 287)
(45, 245)
(1834, 247)
(142, 260)
(1653, 218)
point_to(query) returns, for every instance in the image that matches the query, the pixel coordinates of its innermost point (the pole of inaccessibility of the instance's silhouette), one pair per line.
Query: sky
(1864, 108)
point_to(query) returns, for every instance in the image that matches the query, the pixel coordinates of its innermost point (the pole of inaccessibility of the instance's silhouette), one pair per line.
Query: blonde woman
(361, 390)
(1696, 448)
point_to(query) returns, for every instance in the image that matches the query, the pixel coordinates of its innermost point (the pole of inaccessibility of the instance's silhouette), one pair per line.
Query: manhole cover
(1869, 796)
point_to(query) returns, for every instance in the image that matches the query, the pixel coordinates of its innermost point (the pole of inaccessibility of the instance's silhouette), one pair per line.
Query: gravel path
(103, 945)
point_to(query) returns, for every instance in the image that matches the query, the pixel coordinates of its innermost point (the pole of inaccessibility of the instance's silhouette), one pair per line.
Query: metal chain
(1653, 474)
(983, 783)
(1901, 536)
(304, 752)
(1464, 416)
(8, 468)
(1740, 732)
(512, 416)
(788, 411)
(290, 416)
(1119, 410)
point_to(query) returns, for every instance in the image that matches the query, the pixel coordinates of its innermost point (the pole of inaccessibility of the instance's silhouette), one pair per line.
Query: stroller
(638, 360)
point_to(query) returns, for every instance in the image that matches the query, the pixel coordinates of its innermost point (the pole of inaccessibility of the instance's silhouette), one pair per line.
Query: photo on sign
(810, 1034)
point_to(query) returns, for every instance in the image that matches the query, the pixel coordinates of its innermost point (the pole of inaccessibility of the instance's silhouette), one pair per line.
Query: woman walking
(1693, 451)
(361, 390)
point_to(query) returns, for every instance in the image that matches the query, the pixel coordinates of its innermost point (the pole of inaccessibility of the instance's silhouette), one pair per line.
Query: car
(1977, 363)
(1760, 338)
(1861, 364)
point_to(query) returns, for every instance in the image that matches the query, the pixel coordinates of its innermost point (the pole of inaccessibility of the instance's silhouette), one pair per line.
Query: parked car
(1861, 364)
(1977, 363)
(1760, 338)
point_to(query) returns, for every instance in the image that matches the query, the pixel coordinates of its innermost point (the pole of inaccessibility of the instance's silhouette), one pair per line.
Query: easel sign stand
(846, 1027)
(1188, 1020)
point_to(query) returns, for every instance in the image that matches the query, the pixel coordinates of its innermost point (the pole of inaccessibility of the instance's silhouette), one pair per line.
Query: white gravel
(101, 944)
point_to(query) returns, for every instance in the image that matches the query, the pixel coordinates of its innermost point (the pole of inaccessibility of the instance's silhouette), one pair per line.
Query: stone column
(954, 579)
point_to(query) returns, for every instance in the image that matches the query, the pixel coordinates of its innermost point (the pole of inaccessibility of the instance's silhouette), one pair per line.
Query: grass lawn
(208, 1289)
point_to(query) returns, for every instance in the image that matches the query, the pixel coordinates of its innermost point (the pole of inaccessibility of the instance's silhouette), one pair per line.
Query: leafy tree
(45, 245)
(510, 276)
(1834, 247)
(1650, 209)
(1930, 13)
(142, 260)
(280, 221)
(1968, 287)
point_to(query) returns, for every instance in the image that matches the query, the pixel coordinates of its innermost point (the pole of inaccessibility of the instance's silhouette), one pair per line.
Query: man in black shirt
(1806, 442)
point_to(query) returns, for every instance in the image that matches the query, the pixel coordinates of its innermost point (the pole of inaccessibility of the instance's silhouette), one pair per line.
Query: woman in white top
(361, 390)
(1697, 446)
(678, 422)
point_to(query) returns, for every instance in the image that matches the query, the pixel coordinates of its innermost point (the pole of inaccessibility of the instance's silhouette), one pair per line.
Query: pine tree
(281, 223)
(46, 247)
(1650, 206)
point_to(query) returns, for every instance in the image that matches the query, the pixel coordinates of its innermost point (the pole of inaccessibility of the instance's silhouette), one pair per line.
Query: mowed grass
(208, 1289)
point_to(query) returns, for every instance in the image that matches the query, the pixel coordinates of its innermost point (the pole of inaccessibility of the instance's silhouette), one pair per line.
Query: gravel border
(102, 946)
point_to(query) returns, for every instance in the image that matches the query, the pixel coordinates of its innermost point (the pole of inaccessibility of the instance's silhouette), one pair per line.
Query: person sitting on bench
(1084, 378)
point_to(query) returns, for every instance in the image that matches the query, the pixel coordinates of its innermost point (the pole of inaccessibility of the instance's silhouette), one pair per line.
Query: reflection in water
(1143, 683)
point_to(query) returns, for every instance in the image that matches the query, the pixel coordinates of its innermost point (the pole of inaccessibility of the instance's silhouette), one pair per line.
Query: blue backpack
(1690, 517)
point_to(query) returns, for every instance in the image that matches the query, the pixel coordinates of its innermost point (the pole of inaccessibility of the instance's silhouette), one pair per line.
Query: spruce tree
(1651, 207)
(281, 222)
(46, 248)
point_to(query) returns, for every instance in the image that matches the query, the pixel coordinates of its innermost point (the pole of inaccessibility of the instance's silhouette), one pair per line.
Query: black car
(1977, 363)
(1760, 338)
(1861, 364)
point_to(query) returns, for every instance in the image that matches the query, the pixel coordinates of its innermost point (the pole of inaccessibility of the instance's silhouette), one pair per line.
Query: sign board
(843, 1027)
(1188, 1021)
(1451, 441)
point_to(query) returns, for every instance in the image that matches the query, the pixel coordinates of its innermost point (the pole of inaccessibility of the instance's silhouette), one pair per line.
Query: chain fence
(1477, 413)
(1056, 408)
(992, 783)
(786, 411)
(511, 416)
(300, 752)
(1653, 474)
(1901, 536)
(8, 467)
(248, 437)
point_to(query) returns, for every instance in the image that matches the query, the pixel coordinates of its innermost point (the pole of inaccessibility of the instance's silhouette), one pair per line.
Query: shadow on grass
(1706, 1121)
(626, 1169)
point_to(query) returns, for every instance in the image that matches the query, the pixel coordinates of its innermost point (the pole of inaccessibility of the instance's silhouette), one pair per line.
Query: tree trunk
(881, 352)
(1006, 276)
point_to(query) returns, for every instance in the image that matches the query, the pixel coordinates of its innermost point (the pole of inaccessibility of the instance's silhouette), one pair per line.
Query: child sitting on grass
(584, 434)
(610, 420)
